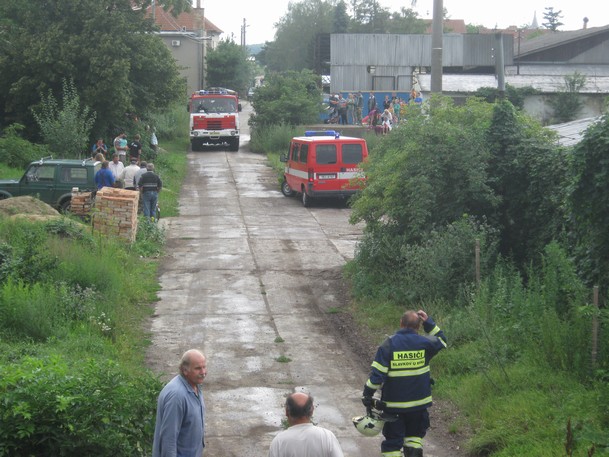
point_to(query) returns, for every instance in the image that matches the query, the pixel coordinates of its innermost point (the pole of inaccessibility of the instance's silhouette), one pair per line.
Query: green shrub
(92, 408)
(543, 317)
(54, 121)
(567, 103)
(24, 258)
(169, 124)
(150, 239)
(526, 410)
(289, 97)
(171, 165)
(439, 268)
(29, 311)
(516, 95)
(273, 138)
(18, 153)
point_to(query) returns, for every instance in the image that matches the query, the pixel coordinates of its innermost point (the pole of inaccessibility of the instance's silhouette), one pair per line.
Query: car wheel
(66, 206)
(234, 144)
(286, 189)
(306, 200)
(196, 145)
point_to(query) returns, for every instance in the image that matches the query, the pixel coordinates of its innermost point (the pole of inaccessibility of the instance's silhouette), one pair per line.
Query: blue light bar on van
(333, 133)
(212, 91)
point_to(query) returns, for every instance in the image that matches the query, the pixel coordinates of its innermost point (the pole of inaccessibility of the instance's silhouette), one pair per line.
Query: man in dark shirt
(150, 185)
(135, 149)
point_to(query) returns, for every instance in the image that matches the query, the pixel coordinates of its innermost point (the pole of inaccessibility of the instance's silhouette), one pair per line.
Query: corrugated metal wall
(387, 61)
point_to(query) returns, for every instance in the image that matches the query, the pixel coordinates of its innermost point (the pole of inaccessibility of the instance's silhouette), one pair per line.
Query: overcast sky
(261, 15)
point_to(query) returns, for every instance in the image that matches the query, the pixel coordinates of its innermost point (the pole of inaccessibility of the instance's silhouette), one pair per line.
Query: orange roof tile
(186, 21)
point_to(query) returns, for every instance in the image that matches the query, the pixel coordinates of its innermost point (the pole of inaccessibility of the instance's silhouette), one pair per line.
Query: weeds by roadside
(72, 340)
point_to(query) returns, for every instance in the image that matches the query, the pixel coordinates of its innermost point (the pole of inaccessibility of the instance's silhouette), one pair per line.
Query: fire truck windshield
(214, 105)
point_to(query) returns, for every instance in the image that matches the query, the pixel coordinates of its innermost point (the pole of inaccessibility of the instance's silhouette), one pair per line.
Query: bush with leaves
(428, 173)
(108, 48)
(439, 268)
(290, 98)
(421, 181)
(567, 103)
(65, 129)
(543, 315)
(516, 95)
(274, 138)
(93, 408)
(530, 174)
(17, 152)
(227, 66)
(588, 203)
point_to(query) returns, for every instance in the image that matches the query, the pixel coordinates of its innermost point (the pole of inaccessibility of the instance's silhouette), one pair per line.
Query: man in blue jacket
(104, 177)
(401, 368)
(180, 415)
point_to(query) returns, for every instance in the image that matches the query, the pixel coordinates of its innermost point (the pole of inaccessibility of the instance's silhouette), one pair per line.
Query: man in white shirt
(303, 439)
(116, 167)
(128, 175)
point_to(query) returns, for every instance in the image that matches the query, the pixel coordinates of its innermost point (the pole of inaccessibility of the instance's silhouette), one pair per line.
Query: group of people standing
(346, 111)
(380, 116)
(400, 370)
(137, 175)
(383, 117)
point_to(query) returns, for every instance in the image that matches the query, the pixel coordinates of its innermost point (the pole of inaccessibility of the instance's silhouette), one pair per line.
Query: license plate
(327, 176)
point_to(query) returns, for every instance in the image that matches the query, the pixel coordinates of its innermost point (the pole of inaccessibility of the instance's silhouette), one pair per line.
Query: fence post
(594, 326)
(478, 262)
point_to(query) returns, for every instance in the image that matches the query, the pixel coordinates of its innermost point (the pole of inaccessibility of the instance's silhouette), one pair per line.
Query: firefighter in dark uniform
(401, 368)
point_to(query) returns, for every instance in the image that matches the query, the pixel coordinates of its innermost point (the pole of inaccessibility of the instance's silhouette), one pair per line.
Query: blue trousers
(150, 199)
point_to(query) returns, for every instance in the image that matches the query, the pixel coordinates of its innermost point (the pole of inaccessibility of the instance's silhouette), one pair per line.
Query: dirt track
(254, 280)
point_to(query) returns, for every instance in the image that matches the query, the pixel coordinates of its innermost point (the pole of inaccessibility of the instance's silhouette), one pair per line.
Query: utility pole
(436, 46)
(243, 33)
(500, 65)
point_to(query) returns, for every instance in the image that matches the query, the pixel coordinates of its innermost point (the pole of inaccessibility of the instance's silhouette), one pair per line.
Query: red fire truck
(214, 118)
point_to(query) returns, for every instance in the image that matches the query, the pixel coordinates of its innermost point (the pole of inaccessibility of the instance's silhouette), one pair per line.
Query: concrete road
(252, 278)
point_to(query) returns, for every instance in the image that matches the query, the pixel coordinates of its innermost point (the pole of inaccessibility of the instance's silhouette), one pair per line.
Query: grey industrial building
(393, 63)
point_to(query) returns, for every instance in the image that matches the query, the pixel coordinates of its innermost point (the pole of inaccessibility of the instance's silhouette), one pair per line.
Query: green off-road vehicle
(53, 180)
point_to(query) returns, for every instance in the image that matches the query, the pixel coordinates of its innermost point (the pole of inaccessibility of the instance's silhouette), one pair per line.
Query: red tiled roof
(183, 22)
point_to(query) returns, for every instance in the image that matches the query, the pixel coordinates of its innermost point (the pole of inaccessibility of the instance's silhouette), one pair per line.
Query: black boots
(413, 452)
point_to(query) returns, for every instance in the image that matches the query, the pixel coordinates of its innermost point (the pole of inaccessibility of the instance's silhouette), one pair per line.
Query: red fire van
(323, 164)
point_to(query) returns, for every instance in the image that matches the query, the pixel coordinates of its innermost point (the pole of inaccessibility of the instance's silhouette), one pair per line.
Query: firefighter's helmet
(368, 425)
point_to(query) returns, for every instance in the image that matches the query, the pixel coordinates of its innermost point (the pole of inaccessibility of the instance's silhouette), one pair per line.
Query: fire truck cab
(214, 118)
(323, 164)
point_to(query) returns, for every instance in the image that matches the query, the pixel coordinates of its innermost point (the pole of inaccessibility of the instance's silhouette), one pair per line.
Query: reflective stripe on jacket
(401, 367)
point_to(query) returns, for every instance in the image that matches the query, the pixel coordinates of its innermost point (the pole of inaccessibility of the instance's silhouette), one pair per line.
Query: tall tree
(406, 21)
(552, 19)
(105, 46)
(290, 97)
(589, 201)
(341, 18)
(371, 17)
(528, 173)
(227, 66)
(294, 45)
(55, 119)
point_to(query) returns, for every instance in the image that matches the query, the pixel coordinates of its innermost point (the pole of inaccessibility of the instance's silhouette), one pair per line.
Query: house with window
(188, 36)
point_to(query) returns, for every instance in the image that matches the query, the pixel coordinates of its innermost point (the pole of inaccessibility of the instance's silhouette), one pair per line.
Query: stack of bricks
(81, 203)
(116, 212)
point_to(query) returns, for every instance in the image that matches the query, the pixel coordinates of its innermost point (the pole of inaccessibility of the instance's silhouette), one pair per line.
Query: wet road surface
(251, 278)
